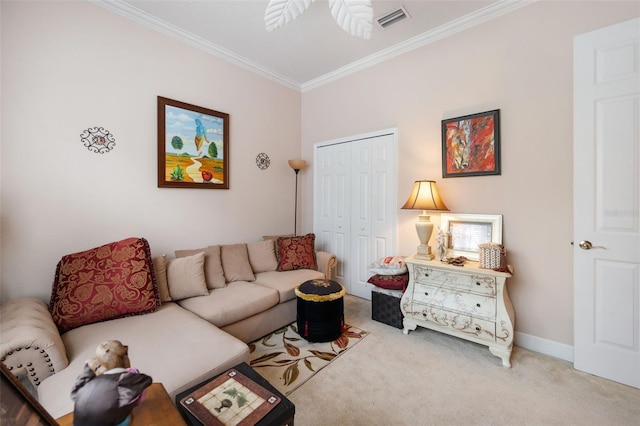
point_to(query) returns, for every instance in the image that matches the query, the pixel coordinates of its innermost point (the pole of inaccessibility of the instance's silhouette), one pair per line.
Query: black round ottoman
(320, 310)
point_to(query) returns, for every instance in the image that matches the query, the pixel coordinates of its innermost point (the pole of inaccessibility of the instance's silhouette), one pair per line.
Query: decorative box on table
(385, 306)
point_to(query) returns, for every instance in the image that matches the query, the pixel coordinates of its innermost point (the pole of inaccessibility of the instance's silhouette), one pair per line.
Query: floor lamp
(296, 165)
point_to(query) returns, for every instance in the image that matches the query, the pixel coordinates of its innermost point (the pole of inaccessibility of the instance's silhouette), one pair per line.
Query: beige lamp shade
(297, 164)
(424, 196)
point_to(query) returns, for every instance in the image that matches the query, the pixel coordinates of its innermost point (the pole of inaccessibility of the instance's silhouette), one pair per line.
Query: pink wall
(68, 66)
(520, 63)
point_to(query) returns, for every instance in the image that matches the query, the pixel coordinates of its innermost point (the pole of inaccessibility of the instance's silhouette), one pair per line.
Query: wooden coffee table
(280, 415)
(156, 409)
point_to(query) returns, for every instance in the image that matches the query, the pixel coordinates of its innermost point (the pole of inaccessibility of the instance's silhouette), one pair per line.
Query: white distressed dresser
(467, 302)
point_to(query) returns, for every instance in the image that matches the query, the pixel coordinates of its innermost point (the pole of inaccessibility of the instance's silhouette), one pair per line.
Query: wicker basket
(492, 256)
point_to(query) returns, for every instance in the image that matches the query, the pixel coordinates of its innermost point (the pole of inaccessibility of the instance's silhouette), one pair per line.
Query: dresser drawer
(476, 327)
(480, 305)
(458, 280)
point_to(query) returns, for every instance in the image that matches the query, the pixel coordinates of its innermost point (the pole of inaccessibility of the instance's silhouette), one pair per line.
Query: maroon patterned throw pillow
(112, 281)
(390, 282)
(296, 253)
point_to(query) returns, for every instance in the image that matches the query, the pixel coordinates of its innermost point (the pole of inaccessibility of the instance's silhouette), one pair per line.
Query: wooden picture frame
(18, 406)
(471, 145)
(466, 231)
(193, 146)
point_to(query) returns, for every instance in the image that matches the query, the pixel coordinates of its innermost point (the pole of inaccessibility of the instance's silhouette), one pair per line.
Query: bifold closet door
(355, 205)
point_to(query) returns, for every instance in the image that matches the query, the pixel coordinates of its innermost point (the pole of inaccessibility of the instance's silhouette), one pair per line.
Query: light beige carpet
(287, 360)
(427, 378)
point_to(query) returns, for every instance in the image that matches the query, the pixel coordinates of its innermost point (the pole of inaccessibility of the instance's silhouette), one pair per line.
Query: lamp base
(424, 227)
(424, 252)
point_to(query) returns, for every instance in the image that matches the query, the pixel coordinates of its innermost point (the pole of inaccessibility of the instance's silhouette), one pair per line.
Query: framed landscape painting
(193, 146)
(471, 145)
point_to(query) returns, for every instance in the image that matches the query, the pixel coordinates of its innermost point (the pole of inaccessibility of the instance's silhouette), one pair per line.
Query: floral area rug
(287, 360)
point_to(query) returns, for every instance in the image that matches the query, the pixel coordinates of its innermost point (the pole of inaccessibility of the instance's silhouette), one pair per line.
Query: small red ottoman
(320, 310)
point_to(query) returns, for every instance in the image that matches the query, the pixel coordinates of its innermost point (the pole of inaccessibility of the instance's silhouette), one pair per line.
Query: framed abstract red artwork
(471, 145)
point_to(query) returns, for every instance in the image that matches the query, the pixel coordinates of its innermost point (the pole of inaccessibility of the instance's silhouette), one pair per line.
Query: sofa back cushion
(296, 253)
(213, 272)
(235, 262)
(262, 256)
(186, 277)
(160, 269)
(107, 282)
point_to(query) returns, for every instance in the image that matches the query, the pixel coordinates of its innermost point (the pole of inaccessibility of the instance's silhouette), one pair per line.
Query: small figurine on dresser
(441, 249)
(108, 388)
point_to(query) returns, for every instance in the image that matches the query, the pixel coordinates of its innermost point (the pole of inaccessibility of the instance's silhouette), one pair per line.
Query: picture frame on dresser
(466, 231)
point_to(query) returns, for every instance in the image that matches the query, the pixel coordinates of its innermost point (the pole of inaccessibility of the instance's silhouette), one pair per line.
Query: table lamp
(424, 196)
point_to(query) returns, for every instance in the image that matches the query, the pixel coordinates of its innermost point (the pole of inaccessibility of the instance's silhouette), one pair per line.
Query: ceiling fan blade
(279, 12)
(353, 16)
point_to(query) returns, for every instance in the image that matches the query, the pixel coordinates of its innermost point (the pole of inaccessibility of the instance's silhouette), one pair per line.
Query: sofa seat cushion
(237, 301)
(172, 345)
(285, 282)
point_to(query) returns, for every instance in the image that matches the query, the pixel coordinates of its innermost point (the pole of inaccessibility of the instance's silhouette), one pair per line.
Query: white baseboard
(544, 346)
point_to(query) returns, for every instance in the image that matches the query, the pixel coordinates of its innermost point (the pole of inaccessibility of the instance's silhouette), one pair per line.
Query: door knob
(585, 245)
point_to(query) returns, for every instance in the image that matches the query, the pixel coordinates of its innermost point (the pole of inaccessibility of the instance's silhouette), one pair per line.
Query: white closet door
(355, 204)
(383, 196)
(361, 212)
(331, 208)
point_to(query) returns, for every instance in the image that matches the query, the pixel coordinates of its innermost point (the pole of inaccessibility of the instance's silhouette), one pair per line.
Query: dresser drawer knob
(477, 283)
(426, 293)
(478, 305)
(478, 328)
(426, 274)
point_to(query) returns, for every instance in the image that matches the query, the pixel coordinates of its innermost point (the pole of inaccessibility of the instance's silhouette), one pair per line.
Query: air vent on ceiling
(393, 17)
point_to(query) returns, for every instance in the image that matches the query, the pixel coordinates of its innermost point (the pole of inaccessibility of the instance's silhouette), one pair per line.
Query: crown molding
(480, 16)
(193, 40)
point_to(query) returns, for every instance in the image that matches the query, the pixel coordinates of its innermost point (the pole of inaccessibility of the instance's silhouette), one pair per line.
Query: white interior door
(332, 220)
(607, 202)
(355, 204)
(361, 212)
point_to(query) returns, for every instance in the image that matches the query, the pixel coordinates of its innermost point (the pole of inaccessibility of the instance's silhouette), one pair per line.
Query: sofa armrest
(326, 263)
(29, 340)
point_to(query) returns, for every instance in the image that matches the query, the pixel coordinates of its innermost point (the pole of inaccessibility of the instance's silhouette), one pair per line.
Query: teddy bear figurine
(108, 389)
(109, 355)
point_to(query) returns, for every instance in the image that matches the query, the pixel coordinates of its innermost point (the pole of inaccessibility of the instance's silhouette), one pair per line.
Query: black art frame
(471, 145)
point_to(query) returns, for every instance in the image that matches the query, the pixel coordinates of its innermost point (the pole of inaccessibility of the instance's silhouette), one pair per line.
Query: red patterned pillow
(112, 281)
(296, 253)
(390, 282)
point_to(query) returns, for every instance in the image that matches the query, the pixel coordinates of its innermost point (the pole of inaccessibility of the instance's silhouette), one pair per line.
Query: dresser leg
(408, 326)
(502, 353)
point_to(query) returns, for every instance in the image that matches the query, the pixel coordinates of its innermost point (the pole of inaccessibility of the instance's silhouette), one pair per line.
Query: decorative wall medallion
(98, 140)
(263, 161)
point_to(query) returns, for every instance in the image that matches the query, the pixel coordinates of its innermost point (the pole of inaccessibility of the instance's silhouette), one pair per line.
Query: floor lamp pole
(296, 165)
(295, 210)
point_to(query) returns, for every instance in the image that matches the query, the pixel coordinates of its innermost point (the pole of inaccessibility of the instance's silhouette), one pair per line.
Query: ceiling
(312, 49)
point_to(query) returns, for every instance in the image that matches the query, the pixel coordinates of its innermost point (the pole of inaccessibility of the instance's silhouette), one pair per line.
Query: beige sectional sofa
(182, 342)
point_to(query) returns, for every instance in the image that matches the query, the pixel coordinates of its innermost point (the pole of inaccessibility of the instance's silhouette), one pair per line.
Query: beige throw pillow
(213, 272)
(185, 276)
(160, 269)
(235, 262)
(262, 256)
